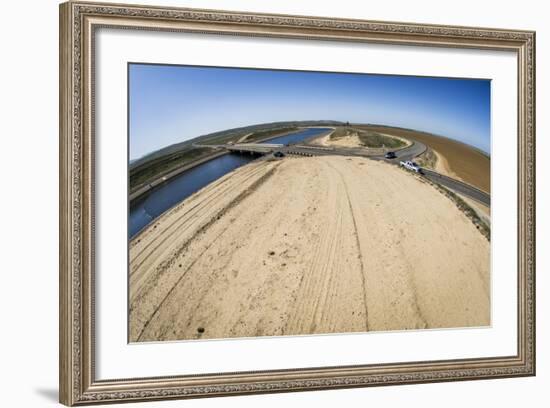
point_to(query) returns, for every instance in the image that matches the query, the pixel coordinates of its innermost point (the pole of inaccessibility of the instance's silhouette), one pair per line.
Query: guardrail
(315, 147)
(467, 189)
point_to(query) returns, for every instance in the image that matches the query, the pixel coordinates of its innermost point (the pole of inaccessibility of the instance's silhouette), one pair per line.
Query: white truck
(410, 165)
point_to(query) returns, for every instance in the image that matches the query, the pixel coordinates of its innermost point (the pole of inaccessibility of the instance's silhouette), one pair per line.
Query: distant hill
(226, 135)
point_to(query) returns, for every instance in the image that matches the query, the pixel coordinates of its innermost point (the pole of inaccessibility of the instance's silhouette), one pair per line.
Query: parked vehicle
(410, 165)
(279, 154)
(390, 155)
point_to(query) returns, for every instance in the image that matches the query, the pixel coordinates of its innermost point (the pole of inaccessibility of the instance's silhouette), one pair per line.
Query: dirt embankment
(353, 138)
(308, 245)
(464, 162)
(433, 160)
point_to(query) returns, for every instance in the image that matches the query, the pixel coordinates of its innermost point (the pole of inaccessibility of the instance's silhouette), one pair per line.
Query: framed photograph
(256, 203)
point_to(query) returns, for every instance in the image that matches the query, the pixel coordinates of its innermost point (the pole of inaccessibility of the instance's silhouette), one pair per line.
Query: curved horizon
(215, 99)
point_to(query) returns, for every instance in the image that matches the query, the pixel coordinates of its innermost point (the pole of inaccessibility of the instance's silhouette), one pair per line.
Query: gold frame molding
(78, 22)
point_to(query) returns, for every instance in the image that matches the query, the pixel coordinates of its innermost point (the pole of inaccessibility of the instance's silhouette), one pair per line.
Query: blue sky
(170, 104)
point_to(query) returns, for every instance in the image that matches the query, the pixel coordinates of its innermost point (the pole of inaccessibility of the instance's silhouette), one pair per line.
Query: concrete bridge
(268, 148)
(254, 148)
(408, 153)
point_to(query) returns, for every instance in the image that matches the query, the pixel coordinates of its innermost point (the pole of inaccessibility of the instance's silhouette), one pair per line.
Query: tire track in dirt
(326, 245)
(359, 246)
(319, 305)
(156, 275)
(161, 303)
(212, 194)
(142, 242)
(325, 315)
(388, 282)
(206, 194)
(142, 271)
(301, 317)
(186, 321)
(327, 272)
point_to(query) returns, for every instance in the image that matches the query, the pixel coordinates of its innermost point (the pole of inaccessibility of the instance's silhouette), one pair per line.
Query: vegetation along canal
(150, 206)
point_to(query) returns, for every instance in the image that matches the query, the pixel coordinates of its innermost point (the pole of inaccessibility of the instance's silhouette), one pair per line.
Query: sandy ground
(483, 211)
(346, 141)
(352, 141)
(442, 166)
(465, 162)
(308, 245)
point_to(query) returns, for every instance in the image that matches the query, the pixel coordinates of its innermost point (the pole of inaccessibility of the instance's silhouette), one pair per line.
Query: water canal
(168, 194)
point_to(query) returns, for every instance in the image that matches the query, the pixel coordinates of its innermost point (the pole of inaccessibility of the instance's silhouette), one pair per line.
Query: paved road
(416, 149)
(408, 153)
(459, 187)
(260, 148)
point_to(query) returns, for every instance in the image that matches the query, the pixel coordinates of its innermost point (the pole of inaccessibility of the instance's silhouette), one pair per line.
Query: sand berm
(308, 245)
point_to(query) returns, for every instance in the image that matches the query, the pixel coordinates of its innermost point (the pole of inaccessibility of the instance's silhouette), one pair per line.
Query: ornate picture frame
(78, 24)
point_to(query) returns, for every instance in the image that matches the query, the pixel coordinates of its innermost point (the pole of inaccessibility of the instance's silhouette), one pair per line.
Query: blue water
(165, 196)
(298, 136)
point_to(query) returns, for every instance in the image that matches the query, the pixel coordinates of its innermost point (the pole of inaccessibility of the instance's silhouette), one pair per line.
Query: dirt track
(308, 245)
